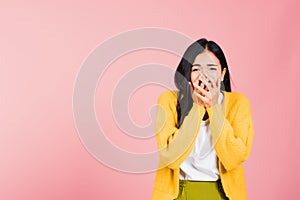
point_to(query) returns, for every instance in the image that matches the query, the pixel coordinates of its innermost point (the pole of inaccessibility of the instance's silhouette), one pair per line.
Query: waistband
(183, 182)
(203, 184)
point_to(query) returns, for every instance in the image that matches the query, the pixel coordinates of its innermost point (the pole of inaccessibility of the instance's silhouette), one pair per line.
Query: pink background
(43, 44)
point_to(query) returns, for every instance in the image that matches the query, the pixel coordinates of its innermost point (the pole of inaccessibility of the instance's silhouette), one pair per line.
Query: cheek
(219, 70)
(218, 73)
(193, 77)
(214, 75)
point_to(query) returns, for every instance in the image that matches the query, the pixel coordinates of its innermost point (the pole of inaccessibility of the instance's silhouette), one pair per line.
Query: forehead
(206, 57)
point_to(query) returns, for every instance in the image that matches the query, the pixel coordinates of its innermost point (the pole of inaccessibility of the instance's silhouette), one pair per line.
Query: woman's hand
(196, 95)
(205, 92)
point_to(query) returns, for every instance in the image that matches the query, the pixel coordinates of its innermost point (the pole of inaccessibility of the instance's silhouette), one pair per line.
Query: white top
(202, 163)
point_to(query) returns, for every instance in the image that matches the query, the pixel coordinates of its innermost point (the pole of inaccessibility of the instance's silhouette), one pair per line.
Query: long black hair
(183, 75)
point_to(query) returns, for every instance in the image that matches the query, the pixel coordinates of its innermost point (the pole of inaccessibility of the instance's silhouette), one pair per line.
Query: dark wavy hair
(183, 75)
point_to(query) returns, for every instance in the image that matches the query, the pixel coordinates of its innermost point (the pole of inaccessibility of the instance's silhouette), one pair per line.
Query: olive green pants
(200, 190)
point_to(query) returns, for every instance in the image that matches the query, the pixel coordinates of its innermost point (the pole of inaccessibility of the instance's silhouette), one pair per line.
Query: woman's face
(206, 66)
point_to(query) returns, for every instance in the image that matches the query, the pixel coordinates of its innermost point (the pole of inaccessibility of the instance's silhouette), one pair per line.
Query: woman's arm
(233, 140)
(175, 144)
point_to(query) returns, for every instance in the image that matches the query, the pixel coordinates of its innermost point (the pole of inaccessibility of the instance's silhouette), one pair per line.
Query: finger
(205, 87)
(203, 79)
(199, 82)
(204, 99)
(210, 83)
(196, 98)
(196, 86)
(204, 92)
(202, 85)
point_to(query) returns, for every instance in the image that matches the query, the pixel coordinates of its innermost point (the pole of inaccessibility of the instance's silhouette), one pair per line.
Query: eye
(195, 69)
(212, 68)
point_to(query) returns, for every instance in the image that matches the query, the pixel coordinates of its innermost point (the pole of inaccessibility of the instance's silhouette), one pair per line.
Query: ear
(223, 73)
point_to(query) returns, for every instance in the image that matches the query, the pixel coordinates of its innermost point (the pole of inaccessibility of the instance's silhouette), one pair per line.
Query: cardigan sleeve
(175, 144)
(233, 140)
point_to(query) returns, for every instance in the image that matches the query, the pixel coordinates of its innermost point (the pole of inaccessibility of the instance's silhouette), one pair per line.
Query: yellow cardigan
(231, 129)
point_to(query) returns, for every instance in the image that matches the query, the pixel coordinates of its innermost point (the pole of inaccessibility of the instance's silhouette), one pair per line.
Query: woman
(204, 131)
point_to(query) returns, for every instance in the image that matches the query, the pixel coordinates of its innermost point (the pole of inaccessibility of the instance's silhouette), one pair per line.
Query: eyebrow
(212, 65)
(198, 65)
